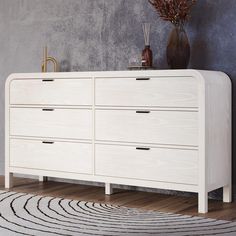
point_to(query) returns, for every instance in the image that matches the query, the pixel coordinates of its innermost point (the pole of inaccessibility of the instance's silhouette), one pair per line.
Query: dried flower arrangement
(175, 11)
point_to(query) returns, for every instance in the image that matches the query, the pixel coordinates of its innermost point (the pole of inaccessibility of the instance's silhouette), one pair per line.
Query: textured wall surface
(104, 35)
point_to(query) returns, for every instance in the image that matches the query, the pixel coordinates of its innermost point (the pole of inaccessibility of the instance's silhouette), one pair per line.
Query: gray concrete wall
(104, 34)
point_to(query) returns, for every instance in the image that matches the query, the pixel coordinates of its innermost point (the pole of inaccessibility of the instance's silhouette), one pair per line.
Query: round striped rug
(26, 214)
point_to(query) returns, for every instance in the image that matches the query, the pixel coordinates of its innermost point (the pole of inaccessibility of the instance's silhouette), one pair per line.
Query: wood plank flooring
(140, 200)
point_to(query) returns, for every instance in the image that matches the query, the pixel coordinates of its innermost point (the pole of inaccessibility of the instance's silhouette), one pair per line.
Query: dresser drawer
(160, 92)
(156, 164)
(160, 127)
(57, 156)
(57, 123)
(55, 92)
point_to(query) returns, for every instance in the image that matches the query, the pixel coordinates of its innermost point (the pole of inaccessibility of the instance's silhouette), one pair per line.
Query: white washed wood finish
(161, 127)
(57, 156)
(158, 164)
(58, 92)
(156, 92)
(188, 129)
(58, 123)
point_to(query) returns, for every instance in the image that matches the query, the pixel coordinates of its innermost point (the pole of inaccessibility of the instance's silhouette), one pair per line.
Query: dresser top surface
(201, 75)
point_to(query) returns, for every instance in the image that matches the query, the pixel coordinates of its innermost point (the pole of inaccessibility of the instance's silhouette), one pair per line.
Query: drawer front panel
(57, 123)
(56, 92)
(58, 156)
(160, 127)
(157, 164)
(161, 92)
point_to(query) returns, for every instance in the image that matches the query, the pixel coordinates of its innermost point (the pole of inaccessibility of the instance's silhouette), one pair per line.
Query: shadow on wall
(199, 50)
(200, 25)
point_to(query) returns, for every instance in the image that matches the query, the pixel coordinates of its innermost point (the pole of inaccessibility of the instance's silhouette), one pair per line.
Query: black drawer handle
(142, 78)
(47, 109)
(48, 80)
(142, 148)
(140, 112)
(47, 142)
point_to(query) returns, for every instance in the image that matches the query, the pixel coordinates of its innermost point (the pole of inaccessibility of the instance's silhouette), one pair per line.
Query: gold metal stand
(46, 59)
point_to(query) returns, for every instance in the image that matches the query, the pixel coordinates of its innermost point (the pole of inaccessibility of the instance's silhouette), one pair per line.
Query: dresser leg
(227, 193)
(108, 189)
(9, 180)
(202, 202)
(43, 179)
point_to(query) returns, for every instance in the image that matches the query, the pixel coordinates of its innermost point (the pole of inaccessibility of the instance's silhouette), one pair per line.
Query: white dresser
(167, 129)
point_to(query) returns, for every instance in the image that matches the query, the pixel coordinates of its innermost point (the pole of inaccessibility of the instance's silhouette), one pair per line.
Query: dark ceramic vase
(178, 49)
(147, 56)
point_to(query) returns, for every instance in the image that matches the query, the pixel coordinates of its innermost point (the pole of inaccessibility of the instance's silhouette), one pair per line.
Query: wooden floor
(141, 200)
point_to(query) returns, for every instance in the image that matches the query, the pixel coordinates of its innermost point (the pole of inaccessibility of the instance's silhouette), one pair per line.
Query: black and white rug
(26, 214)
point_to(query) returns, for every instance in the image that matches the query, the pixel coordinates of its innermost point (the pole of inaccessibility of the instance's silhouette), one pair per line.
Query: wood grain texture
(56, 92)
(162, 127)
(57, 156)
(160, 164)
(58, 123)
(176, 126)
(215, 160)
(218, 130)
(158, 91)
